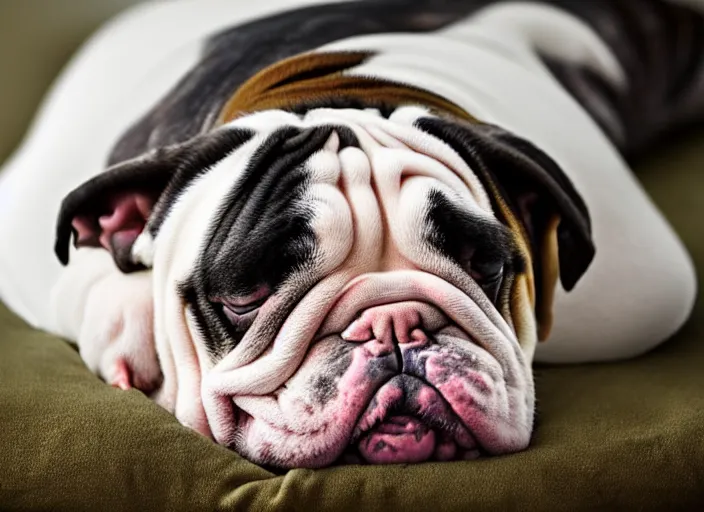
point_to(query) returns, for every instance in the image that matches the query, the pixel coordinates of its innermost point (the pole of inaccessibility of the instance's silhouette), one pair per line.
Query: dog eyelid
(241, 317)
(490, 283)
(241, 311)
(243, 303)
(244, 308)
(487, 273)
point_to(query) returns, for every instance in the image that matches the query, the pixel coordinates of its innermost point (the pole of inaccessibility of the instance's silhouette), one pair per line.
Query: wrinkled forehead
(375, 136)
(270, 200)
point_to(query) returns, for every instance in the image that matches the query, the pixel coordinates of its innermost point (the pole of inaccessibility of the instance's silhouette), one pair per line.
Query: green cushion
(622, 435)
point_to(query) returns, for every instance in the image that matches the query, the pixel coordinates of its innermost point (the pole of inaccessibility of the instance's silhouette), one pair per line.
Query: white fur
(109, 314)
(639, 290)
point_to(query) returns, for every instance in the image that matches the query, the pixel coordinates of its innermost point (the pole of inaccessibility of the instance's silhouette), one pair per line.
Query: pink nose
(400, 322)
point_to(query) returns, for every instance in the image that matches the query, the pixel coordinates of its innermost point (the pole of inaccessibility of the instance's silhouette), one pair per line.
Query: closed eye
(243, 309)
(240, 312)
(486, 272)
(489, 280)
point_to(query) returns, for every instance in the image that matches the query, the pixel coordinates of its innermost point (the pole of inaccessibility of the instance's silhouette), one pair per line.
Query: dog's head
(343, 284)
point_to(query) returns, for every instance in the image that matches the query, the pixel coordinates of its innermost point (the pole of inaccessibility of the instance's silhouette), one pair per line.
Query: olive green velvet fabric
(626, 435)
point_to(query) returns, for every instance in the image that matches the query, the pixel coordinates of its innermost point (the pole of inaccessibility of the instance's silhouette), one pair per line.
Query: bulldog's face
(341, 286)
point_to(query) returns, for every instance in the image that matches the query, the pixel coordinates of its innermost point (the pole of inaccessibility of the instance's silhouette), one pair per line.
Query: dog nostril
(397, 323)
(418, 336)
(358, 330)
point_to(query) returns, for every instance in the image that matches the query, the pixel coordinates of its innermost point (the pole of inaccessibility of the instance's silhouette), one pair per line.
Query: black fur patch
(660, 46)
(238, 53)
(519, 169)
(260, 235)
(478, 245)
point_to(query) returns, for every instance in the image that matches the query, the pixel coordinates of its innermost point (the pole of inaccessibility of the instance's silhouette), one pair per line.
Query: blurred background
(37, 37)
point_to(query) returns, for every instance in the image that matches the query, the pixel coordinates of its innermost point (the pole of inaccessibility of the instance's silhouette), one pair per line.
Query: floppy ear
(538, 194)
(112, 209)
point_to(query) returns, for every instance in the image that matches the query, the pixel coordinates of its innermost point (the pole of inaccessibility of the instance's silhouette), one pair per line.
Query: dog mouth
(404, 439)
(420, 374)
(408, 421)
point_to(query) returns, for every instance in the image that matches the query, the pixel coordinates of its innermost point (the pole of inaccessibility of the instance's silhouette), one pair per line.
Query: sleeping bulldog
(338, 232)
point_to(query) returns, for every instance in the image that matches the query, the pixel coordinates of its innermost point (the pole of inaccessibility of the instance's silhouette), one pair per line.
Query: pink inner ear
(128, 213)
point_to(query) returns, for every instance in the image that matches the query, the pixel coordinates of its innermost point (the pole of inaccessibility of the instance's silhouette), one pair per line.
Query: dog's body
(360, 242)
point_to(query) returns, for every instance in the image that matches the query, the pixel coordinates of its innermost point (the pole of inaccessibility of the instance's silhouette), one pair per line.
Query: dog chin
(441, 400)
